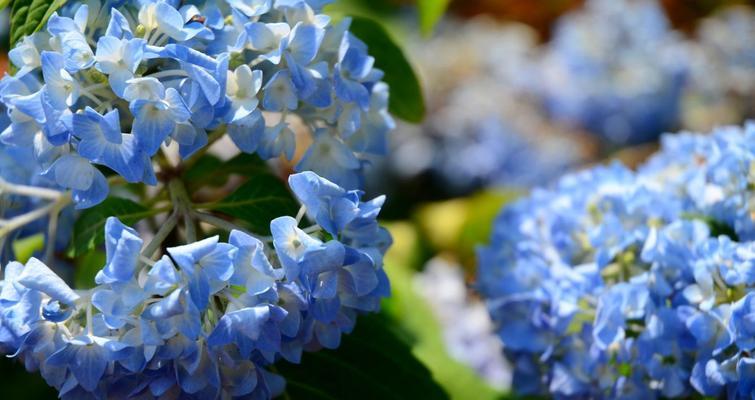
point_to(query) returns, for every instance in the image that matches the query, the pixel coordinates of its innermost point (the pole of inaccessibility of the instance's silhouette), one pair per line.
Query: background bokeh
(518, 93)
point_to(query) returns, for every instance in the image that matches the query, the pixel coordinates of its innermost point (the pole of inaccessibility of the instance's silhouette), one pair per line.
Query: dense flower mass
(622, 284)
(107, 83)
(207, 319)
(615, 69)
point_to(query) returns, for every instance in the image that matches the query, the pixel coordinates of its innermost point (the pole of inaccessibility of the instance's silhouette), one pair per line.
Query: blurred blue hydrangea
(616, 69)
(484, 128)
(107, 84)
(208, 319)
(622, 284)
(722, 70)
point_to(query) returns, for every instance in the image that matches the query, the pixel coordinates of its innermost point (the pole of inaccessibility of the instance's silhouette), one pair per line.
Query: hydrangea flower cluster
(484, 128)
(106, 84)
(623, 284)
(208, 319)
(616, 69)
(722, 64)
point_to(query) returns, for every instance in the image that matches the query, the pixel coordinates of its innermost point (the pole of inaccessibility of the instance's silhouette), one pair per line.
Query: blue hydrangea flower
(169, 73)
(209, 319)
(484, 127)
(623, 284)
(627, 96)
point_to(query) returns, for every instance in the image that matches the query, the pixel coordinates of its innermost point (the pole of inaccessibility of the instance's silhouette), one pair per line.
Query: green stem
(182, 205)
(160, 236)
(30, 191)
(52, 233)
(226, 225)
(23, 219)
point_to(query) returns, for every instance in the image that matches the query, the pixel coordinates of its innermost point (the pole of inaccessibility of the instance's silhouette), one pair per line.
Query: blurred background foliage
(492, 130)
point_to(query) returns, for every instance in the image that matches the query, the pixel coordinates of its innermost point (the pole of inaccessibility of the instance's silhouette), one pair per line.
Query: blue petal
(304, 41)
(89, 366)
(161, 277)
(96, 193)
(123, 246)
(168, 307)
(153, 122)
(328, 335)
(279, 93)
(37, 276)
(190, 138)
(247, 132)
(118, 26)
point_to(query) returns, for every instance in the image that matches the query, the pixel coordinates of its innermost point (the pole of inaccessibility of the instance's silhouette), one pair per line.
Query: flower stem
(182, 205)
(312, 229)
(18, 222)
(167, 227)
(52, 233)
(169, 73)
(225, 225)
(301, 213)
(29, 191)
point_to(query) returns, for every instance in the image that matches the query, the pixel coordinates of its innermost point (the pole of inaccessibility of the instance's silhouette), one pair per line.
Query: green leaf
(4, 4)
(406, 101)
(373, 362)
(29, 16)
(262, 198)
(430, 12)
(212, 171)
(89, 229)
(25, 248)
(87, 267)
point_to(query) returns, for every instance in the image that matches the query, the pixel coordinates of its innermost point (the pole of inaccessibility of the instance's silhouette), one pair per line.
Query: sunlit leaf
(430, 12)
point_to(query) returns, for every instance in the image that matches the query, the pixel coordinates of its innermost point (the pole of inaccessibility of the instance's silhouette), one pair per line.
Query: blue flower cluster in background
(623, 284)
(616, 69)
(722, 70)
(106, 84)
(208, 319)
(484, 127)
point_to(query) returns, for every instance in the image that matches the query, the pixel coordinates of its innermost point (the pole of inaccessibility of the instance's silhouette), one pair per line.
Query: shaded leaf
(18, 383)
(373, 362)
(212, 171)
(406, 101)
(261, 199)
(87, 267)
(89, 229)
